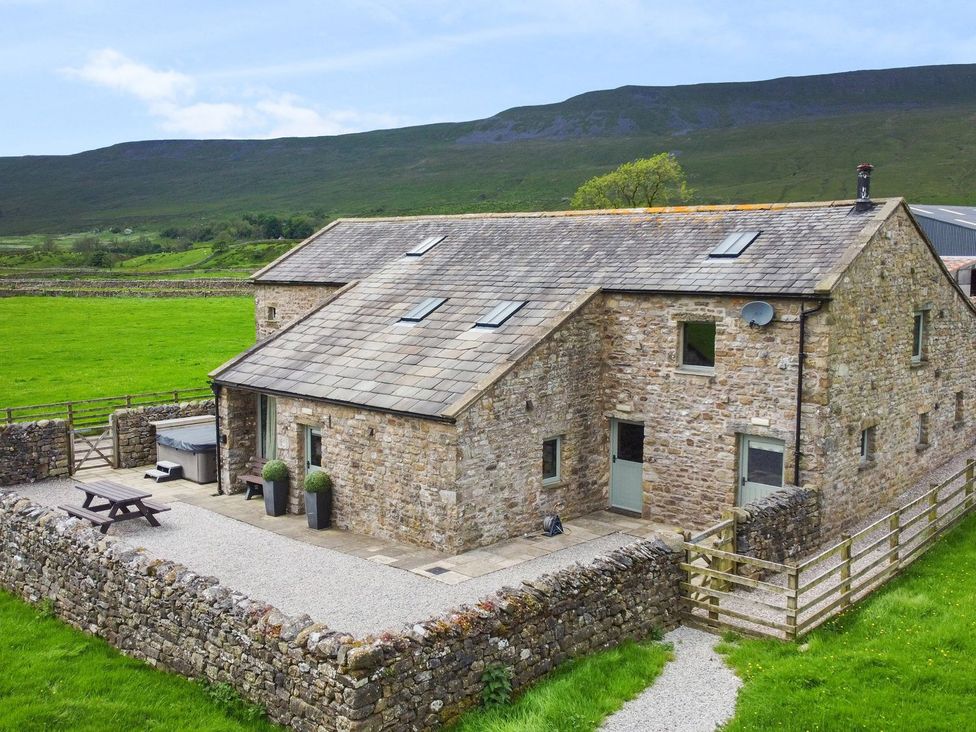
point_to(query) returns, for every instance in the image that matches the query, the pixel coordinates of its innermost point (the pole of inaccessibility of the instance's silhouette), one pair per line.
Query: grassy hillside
(786, 139)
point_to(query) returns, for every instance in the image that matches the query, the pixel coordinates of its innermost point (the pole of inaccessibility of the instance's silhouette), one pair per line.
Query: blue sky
(86, 74)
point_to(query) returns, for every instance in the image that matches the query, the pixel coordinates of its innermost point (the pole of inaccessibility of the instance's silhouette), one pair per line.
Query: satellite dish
(757, 313)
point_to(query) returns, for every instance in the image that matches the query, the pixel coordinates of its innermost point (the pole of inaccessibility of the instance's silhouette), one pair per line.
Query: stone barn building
(462, 376)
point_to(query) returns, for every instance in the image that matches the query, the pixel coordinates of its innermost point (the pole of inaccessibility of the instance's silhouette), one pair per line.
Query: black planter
(275, 497)
(318, 509)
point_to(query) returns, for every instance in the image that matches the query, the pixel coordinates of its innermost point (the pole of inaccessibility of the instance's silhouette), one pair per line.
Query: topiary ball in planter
(275, 474)
(318, 499)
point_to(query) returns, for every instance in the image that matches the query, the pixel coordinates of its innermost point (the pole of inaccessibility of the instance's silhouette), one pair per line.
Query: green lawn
(57, 678)
(61, 348)
(579, 695)
(903, 660)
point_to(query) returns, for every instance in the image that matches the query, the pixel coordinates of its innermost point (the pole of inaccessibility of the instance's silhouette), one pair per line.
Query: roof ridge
(704, 208)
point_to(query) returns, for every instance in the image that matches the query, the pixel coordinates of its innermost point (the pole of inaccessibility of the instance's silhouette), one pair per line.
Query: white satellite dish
(758, 313)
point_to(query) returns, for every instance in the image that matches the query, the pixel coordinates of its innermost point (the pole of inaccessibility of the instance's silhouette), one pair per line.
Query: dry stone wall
(135, 435)
(32, 451)
(307, 675)
(125, 288)
(275, 306)
(780, 527)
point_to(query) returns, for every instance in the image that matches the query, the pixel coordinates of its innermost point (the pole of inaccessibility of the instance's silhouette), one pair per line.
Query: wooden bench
(99, 521)
(253, 480)
(155, 506)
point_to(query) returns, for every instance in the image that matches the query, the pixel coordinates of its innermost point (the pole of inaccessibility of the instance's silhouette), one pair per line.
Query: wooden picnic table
(121, 503)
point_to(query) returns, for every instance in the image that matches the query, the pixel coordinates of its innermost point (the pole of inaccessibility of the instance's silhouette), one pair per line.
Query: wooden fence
(787, 600)
(91, 414)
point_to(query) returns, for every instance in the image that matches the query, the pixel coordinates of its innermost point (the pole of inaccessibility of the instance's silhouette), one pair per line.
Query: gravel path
(345, 592)
(695, 693)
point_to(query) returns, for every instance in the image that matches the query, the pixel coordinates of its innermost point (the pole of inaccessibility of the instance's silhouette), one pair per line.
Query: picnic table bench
(121, 503)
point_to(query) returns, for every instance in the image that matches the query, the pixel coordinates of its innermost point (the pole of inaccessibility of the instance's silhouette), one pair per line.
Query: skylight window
(734, 244)
(421, 311)
(500, 313)
(425, 246)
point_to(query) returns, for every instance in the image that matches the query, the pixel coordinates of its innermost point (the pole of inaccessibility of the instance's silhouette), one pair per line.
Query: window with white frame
(698, 345)
(551, 460)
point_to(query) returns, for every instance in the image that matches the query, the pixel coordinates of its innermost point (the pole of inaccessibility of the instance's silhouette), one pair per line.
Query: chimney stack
(864, 186)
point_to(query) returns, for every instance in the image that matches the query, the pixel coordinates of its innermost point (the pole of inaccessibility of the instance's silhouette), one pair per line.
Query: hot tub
(192, 444)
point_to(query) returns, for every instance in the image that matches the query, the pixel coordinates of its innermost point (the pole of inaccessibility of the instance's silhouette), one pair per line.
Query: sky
(81, 75)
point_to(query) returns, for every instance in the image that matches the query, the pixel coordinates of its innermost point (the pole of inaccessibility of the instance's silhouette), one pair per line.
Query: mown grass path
(902, 660)
(57, 678)
(58, 348)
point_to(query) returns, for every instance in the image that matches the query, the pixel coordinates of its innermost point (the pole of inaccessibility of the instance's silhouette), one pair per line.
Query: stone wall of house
(693, 421)
(135, 435)
(237, 442)
(288, 301)
(32, 451)
(780, 527)
(551, 393)
(873, 382)
(393, 476)
(308, 676)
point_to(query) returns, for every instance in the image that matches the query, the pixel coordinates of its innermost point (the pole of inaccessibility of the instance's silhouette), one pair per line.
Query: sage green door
(313, 449)
(760, 468)
(626, 465)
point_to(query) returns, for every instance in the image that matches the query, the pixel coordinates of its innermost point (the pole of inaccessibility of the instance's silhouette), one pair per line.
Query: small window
(551, 457)
(698, 345)
(272, 313)
(499, 314)
(923, 429)
(918, 336)
(734, 244)
(867, 444)
(421, 311)
(425, 246)
(960, 408)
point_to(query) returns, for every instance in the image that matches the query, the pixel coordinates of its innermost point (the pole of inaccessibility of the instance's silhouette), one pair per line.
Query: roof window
(421, 311)
(500, 313)
(426, 245)
(734, 244)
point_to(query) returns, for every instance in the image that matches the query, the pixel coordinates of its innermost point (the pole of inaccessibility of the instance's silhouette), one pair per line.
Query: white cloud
(170, 97)
(111, 69)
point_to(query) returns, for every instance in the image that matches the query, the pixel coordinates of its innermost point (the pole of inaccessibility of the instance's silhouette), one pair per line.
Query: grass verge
(578, 695)
(902, 660)
(57, 678)
(59, 348)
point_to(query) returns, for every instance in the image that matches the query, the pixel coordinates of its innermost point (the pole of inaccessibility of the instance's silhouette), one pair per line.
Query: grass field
(579, 695)
(59, 348)
(903, 660)
(57, 678)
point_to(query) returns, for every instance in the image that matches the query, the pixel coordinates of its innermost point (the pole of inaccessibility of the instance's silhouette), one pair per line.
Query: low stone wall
(126, 288)
(135, 436)
(306, 675)
(32, 451)
(780, 527)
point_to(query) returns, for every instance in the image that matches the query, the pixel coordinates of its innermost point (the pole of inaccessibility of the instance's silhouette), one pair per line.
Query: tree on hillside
(654, 181)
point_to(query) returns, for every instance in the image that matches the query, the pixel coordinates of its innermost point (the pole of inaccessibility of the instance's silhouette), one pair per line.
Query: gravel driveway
(345, 592)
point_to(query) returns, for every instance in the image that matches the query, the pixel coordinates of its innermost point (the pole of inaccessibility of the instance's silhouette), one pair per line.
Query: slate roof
(353, 349)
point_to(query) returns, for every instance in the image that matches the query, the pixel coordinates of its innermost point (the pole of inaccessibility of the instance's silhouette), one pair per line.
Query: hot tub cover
(195, 438)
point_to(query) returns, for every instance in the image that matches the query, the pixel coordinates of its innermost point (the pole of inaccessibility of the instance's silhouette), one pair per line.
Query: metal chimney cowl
(864, 186)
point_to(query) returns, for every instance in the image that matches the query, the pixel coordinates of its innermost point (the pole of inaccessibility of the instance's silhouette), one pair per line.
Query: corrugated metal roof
(951, 229)
(354, 350)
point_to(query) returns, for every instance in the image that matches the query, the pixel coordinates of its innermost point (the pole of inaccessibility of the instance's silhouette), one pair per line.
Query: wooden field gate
(725, 590)
(91, 441)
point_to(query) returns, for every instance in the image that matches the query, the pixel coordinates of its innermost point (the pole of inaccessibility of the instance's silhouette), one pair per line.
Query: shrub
(318, 482)
(275, 470)
(497, 680)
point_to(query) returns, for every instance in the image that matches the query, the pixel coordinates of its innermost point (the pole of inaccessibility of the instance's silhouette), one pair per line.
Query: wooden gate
(92, 447)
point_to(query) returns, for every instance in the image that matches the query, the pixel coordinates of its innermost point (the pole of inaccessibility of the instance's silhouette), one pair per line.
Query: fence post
(970, 476)
(128, 401)
(932, 529)
(71, 414)
(845, 569)
(792, 584)
(10, 415)
(894, 527)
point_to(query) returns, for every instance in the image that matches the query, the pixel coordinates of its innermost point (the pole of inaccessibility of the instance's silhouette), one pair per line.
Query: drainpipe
(216, 391)
(804, 314)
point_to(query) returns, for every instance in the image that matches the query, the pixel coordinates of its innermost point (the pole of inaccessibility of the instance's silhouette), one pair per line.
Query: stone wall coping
(184, 421)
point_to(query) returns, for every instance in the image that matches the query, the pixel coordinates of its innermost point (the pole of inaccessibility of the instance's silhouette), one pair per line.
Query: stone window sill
(920, 364)
(958, 425)
(866, 464)
(921, 446)
(557, 483)
(694, 371)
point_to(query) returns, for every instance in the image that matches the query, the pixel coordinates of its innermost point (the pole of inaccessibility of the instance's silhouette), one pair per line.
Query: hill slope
(784, 139)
